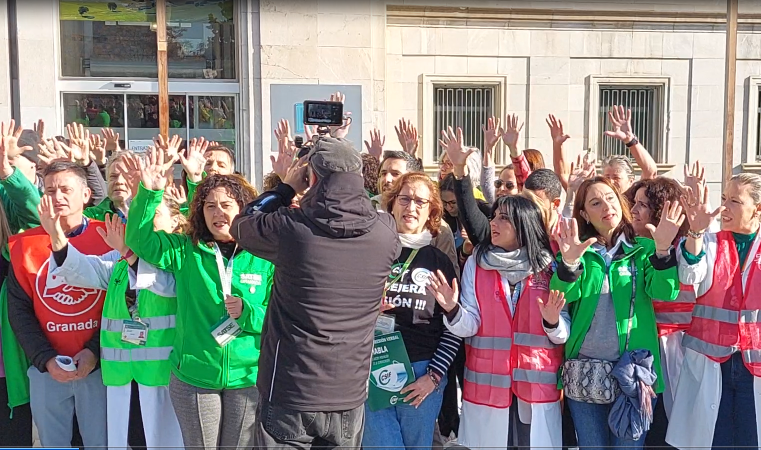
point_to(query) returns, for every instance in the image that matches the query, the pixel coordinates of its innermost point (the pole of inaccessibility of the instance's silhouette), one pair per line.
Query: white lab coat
(698, 394)
(486, 427)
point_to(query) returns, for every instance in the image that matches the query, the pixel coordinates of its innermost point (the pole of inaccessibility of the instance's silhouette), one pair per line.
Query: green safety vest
(122, 362)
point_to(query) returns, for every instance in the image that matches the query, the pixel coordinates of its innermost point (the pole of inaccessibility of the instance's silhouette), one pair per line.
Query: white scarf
(416, 241)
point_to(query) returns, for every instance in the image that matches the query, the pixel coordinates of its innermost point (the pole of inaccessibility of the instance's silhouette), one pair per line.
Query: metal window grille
(644, 101)
(468, 107)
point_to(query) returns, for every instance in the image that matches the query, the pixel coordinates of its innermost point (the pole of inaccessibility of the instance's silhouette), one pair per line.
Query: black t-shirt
(418, 315)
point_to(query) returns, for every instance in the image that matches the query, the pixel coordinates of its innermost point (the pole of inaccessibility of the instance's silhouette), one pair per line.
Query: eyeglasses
(419, 202)
(509, 185)
(451, 204)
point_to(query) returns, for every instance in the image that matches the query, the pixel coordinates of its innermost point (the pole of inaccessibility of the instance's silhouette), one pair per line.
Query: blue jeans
(402, 425)
(736, 424)
(592, 428)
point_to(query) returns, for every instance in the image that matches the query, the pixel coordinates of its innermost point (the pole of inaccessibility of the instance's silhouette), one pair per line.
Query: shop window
(118, 39)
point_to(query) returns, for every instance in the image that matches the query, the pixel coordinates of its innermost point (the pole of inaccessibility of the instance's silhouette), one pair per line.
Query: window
(117, 39)
(135, 116)
(468, 107)
(645, 102)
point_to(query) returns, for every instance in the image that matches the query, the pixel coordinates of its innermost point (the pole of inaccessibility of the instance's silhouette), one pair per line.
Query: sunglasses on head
(509, 185)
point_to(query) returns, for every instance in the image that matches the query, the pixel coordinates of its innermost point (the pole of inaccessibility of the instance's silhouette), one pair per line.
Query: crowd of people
(571, 306)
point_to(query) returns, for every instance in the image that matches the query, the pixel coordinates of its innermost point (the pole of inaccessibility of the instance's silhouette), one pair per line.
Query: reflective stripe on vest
(532, 340)
(153, 323)
(535, 376)
(750, 316)
(681, 318)
(717, 314)
(490, 343)
(706, 348)
(488, 379)
(137, 354)
(752, 356)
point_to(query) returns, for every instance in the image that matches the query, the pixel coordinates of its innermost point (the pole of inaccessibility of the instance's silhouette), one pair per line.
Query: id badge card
(134, 332)
(385, 324)
(225, 331)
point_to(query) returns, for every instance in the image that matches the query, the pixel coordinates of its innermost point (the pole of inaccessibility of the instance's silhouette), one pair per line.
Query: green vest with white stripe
(122, 362)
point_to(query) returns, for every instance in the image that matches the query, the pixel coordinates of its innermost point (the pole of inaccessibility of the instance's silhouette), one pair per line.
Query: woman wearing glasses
(414, 202)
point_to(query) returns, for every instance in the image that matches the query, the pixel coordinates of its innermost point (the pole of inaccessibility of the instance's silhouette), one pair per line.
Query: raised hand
(171, 146)
(551, 308)
(621, 124)
(283, 134)
(39, 128)
(697, 211)
(49, 218)
(452, 143)
(512, 132)
(408, 136)
(296, 176)
(342, 131)
(129, 165)
(194, 161)
(79, 138)
(568, 238)
(695, 178)
(445, 295)
(113, 235)
(492, 133)
(9, 135)
(668, 227)
(581, 171)
(556, 130)
(112, 140)
(98, 151)
(49, 151)
(375, 146)
(177, 194)
(154, 172)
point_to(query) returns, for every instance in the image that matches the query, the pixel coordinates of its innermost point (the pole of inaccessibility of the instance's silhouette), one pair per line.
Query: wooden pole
(729, 90)
(162, 66)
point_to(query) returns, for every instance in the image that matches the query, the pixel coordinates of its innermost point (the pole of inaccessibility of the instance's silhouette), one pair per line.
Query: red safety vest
(509, 356)
(69, 316)
(674, 316)
(726, 320)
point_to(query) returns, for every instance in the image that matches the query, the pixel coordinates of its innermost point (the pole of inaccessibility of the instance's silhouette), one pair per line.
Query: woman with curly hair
(222, 294)
(415, 203)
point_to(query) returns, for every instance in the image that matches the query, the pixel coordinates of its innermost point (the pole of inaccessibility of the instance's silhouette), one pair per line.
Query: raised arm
(163, 250)
(621, 124)
(559, 155)
(19, 196)
(257, 228)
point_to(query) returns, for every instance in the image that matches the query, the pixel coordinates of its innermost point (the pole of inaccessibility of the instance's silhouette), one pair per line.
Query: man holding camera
(332, 257)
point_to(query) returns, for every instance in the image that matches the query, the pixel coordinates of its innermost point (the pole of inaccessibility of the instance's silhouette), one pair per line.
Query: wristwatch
(633, 142)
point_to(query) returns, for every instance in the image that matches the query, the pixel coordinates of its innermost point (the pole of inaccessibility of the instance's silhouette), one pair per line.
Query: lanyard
(225, 273)
(401, 273)
(516, 294)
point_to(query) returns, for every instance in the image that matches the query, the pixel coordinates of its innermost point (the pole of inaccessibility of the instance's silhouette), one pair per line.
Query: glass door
(135, 116)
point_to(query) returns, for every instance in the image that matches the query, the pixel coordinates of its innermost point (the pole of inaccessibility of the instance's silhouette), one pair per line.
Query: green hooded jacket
(196, 357)
(655, 278)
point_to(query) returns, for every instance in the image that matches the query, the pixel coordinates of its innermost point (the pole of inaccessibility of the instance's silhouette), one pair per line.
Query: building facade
(236, 67)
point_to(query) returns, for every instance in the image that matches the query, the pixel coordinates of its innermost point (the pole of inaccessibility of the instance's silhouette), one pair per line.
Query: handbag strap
(633, 270)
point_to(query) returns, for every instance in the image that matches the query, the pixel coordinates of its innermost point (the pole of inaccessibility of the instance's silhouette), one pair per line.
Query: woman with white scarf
(414, 202)
(514, 333)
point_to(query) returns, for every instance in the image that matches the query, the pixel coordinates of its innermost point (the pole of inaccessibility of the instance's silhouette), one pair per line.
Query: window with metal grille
(468, 107)
(645, 103)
